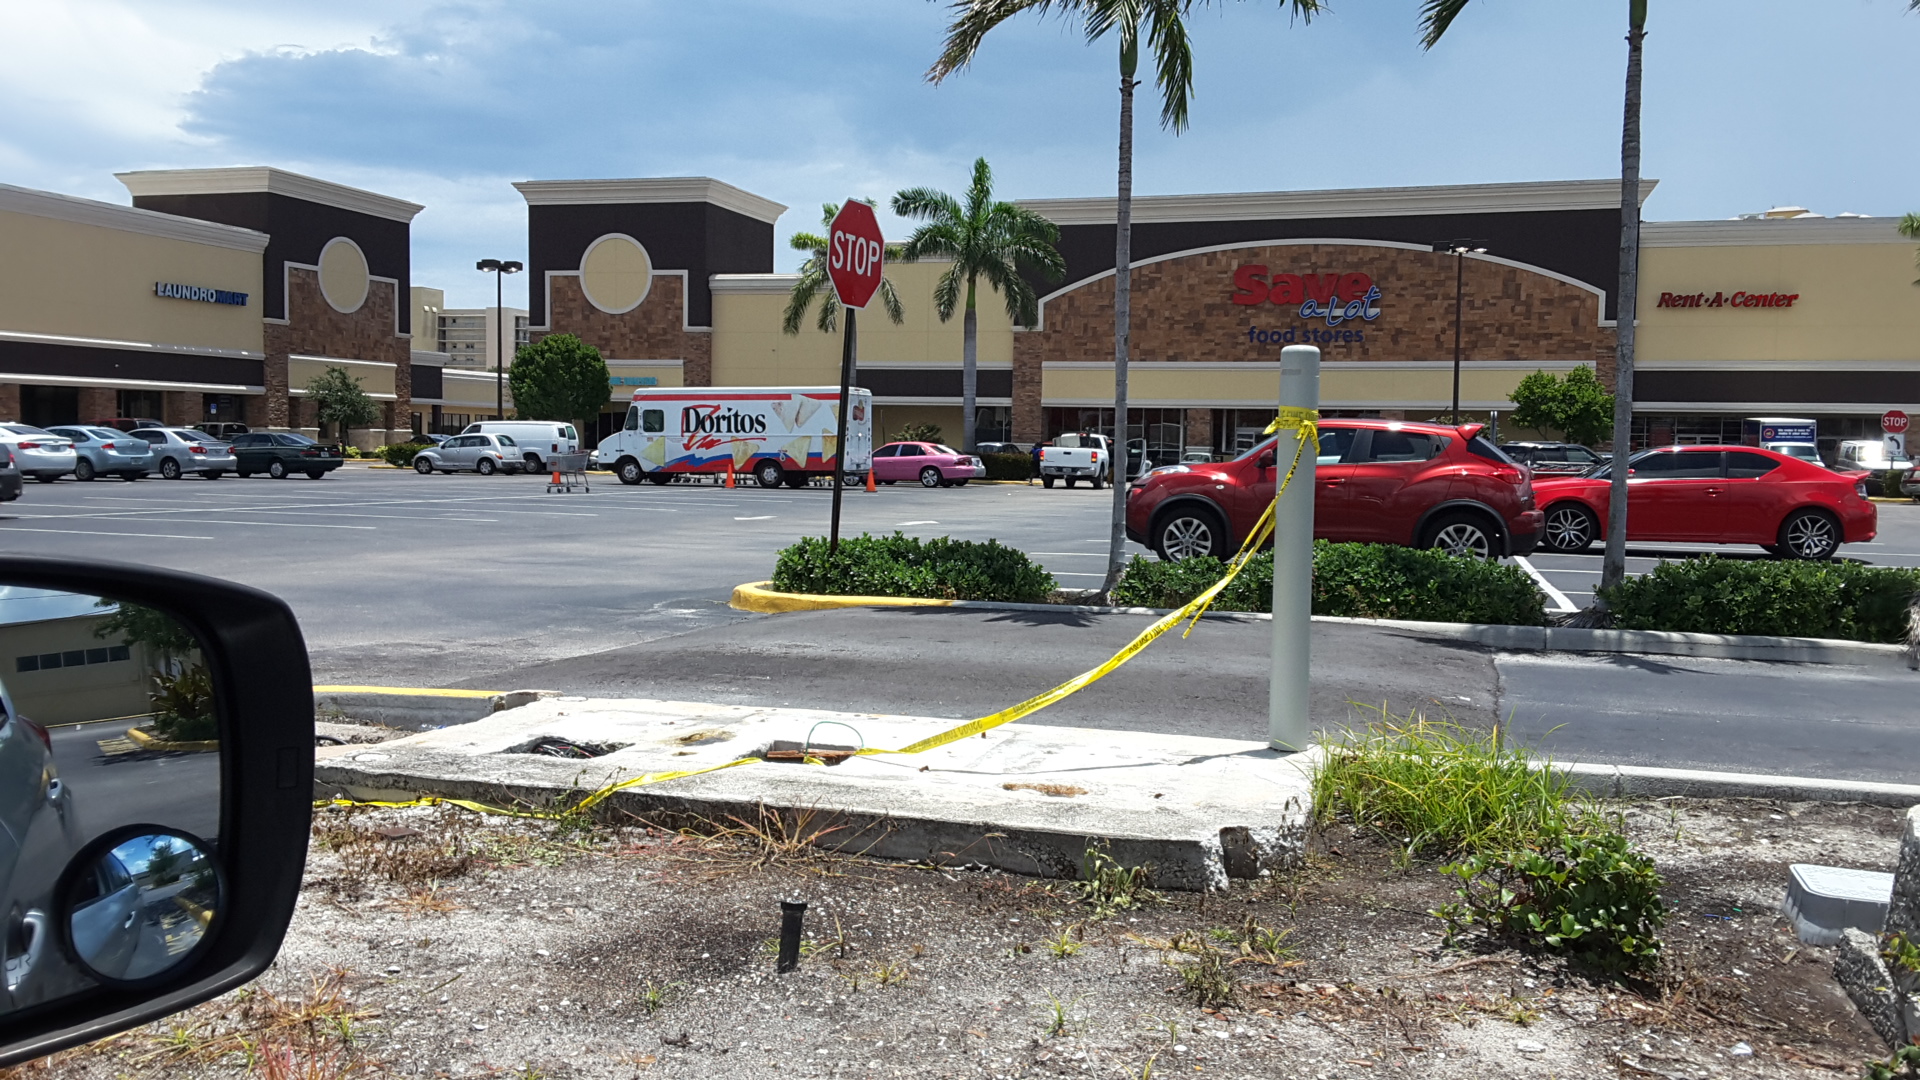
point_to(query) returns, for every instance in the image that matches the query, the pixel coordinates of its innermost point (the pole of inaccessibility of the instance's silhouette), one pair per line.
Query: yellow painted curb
(410, 691)
(148, 742)
(756, 596)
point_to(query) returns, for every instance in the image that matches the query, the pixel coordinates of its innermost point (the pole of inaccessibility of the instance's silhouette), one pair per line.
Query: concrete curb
(755, 596)
(418, 708)
(1646, 782)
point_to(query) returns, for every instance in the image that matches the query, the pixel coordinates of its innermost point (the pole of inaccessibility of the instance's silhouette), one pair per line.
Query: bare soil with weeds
(436, 943)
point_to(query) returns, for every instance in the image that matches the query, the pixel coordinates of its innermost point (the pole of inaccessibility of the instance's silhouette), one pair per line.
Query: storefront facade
(217, 296)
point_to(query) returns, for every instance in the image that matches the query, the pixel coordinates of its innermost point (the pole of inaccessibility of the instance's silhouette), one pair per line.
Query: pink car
(930, 463)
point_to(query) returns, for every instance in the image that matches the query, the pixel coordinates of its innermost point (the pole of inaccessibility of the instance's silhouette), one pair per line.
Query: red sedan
(1718, 495)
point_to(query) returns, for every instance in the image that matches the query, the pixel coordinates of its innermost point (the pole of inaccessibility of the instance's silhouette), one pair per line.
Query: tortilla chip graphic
(829, 447)
(655, 451)
(743, 451)
(796, 451)
(804, 410)
(784, 411)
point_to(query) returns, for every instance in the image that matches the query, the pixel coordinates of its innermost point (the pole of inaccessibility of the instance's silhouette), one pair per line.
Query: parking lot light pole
(1289, 722)
(500, 268)
(1459, 249)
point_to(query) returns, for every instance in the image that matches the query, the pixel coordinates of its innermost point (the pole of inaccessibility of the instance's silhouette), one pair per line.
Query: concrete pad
(1024, 798)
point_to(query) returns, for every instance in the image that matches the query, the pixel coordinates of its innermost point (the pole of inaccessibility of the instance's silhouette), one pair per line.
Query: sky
(1750, 104)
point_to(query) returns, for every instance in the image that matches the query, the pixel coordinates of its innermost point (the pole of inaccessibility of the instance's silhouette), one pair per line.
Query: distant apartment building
(471, 336)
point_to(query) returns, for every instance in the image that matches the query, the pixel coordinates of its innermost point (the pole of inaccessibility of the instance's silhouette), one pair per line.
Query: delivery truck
(777, 435)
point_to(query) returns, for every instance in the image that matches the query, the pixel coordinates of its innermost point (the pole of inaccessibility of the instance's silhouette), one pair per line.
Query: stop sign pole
(855, 252)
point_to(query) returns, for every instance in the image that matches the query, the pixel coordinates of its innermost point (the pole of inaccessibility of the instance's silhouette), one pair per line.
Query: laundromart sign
(174, 291)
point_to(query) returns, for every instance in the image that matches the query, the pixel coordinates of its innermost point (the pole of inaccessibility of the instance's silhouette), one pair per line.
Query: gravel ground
(431, 943)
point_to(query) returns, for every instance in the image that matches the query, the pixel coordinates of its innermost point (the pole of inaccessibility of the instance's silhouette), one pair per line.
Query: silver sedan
(40, 454)
(484, 454)
(105, 451)
(178, 451)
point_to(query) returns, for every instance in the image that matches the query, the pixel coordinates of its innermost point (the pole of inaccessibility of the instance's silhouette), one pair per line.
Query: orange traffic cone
(870, 486)
(729, 474)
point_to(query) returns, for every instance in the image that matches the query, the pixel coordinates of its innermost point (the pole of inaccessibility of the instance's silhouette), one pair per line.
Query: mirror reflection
(143, 906)
(107, 720)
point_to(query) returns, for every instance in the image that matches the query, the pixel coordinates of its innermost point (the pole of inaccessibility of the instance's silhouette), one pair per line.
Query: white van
(537, 439)
(777, 435)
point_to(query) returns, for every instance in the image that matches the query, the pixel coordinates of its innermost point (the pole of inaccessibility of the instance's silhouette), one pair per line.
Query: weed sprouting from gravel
(1064, 945)
(1108, 887)
(654, 996)
(805, 839)
(1059, 1015)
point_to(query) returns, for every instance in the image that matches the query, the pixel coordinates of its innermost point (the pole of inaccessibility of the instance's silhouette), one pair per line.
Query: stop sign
(1894, 422)
(854, 250)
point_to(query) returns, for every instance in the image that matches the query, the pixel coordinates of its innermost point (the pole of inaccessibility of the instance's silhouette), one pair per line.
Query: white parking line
(762, 517)
(1559, 598)
(101, 532)
(904, 524)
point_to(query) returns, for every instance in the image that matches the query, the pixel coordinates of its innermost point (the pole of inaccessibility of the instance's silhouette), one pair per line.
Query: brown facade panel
(656, 330)
(1812, 387)
(314, 328)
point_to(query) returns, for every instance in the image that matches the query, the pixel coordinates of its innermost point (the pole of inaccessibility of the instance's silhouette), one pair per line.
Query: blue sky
(1750, 103)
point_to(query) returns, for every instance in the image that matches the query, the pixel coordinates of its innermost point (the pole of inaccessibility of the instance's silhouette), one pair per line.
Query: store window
(1163, 430)
(139, 404)
(992, 423)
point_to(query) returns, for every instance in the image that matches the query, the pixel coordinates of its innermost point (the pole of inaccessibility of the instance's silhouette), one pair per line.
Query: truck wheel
(533, 463)
(1188, 532)
(1096, 483)
(767, 474)
(930, 477)
(1046, 481)
(660, 477)
(1071, 481)
(629, 471)
(795, 479)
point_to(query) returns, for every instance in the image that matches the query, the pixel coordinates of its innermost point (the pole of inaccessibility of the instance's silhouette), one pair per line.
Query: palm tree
(814, 283)
(1166, 33)
(985, 239)
(1435, 17)
(1910, 225)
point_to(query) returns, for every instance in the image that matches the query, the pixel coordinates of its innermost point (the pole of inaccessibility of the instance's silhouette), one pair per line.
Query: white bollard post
(1289, 725)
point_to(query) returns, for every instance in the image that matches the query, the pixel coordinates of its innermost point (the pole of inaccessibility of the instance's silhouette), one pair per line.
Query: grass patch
(1439, 788)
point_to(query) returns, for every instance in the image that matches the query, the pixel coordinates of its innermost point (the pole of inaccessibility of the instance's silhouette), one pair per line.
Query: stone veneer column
(1199, 428)
(180, 408)
(10, 402)
(273, 373)
(1029, 420)
(97, 404)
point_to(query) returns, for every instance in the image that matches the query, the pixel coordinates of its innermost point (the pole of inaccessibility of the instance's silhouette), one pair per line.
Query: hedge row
(1740, 596)
(1362, 581)
(940, 568)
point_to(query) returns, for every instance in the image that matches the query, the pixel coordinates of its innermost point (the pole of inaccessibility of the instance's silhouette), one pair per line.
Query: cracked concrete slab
(1026, 798)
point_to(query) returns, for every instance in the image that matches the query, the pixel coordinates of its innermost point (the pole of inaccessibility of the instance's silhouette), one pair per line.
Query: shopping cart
(569, 473)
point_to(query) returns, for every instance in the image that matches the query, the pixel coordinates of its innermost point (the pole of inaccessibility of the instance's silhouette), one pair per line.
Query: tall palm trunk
(1122, 313)
(969, 373)
(1613, 568)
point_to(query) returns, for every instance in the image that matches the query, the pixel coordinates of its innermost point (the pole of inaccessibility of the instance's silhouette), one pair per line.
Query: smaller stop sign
(1894, 422)
(854, 253)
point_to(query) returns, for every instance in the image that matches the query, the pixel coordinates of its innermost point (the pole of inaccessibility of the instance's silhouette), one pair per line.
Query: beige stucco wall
(1366, 385)
(62, 277)
(1857, 302)
(749, 348)
(376, 378)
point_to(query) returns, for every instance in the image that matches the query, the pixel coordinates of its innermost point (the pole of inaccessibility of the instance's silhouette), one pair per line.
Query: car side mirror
(1266, 460)
(156, 856)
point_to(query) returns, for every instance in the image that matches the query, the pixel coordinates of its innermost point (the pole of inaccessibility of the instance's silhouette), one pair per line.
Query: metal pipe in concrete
(1289, 727)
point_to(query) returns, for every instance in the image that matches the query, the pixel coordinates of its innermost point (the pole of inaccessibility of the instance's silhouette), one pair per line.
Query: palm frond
(939, 238)
(1173, 62)
(806, 241)
(890, 299)
(1022, 305)
(946, 292)
(972, 19)
(1437, 15)
(925, 203)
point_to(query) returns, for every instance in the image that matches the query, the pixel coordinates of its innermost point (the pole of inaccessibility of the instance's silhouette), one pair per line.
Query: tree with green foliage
(1578, 406)
(815, 283)
(987, 239)
(1163, 24)
(559, 377)
(340, 403)
(917, 432)
(180, 695)
(1910, 225)
(1435, 17)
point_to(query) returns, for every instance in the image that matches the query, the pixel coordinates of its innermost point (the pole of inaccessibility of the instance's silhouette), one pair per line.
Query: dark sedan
(282, 453)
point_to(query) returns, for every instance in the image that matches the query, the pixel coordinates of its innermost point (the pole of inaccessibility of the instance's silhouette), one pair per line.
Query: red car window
(1746, 465)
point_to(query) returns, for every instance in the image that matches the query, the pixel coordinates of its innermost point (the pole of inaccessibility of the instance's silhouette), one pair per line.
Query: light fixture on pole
(500, 268)
(1459, 249)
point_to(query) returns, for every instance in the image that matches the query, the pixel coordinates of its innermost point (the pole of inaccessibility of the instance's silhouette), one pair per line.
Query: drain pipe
(791, 913)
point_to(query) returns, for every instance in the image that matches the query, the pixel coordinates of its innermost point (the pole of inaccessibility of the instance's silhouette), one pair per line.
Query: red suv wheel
(1189, 531)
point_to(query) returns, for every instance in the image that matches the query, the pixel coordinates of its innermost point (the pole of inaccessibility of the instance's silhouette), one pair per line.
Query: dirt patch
(483, 947)
(1058, 791)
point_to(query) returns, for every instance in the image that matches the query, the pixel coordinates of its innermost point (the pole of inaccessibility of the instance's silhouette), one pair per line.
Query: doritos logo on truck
(777, 435)
(707, 419)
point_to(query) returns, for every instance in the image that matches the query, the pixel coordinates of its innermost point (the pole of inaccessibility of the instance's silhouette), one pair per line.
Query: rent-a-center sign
(1741, 299)
(1332, 298)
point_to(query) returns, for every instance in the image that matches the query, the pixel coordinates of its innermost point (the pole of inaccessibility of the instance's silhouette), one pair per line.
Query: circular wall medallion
(616, 273)
(343, 275)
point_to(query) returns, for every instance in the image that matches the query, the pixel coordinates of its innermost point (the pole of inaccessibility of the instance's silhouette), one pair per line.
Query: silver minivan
(537, 439)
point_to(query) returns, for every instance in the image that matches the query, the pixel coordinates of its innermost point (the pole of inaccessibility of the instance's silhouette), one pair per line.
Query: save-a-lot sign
(1334, 298)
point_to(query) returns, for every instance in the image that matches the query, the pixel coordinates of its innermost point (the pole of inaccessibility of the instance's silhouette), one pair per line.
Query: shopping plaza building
(219, 293)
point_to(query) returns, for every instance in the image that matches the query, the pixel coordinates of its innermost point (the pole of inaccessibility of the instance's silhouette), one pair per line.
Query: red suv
(1376, 481)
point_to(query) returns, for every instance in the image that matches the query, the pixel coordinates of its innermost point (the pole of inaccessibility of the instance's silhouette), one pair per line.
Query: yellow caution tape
(1306, 421)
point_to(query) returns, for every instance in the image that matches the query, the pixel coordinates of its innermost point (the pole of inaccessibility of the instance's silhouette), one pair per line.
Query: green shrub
(182, 704)
(1441, 788)
(897, 565)
(1365, 581)
(1890, 483)
(1736, 596)
(401, 455)
(1581, 891)
(1008, 466)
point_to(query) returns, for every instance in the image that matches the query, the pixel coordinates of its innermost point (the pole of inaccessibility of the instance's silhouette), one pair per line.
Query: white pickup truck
(1081, 455)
